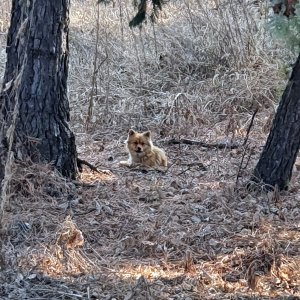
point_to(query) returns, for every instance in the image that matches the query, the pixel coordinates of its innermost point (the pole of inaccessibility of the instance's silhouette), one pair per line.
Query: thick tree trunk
(35, 85)
(280, 152)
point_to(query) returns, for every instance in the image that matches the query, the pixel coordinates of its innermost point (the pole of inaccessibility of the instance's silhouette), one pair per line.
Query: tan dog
(141, 151)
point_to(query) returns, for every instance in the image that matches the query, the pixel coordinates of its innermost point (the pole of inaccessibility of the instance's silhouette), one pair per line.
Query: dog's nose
(139, 149)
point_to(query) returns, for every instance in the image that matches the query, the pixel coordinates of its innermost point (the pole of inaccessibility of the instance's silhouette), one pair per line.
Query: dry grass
(192, 232)
(196, 64)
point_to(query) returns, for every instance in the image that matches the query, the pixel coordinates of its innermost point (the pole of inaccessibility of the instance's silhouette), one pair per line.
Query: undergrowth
(197, 62)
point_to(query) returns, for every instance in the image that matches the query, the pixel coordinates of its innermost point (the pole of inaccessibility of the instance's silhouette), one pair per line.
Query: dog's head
(139, 142)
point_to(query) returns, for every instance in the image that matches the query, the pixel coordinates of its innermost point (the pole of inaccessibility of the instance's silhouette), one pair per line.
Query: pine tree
(35, 107)
(279, 154)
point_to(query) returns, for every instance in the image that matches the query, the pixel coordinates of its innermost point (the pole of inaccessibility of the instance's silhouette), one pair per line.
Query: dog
(142, 151)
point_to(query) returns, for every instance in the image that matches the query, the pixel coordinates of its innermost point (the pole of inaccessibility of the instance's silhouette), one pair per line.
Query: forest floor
(191, 232)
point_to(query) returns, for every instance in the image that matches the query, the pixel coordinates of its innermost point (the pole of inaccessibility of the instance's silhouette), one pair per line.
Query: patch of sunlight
(149, 272)
(91, 177)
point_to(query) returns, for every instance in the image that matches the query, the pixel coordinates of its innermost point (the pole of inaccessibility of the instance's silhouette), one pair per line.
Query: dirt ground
(192, 232)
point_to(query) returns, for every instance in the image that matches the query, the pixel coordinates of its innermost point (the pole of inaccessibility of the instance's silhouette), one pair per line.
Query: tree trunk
(280, 152)
(34, 93)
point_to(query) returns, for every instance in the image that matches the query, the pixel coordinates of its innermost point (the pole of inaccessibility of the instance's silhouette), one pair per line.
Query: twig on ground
(81, 162)
(85, 212)
(195, 164)
(184, 171)
(190, 165)
(203, 144)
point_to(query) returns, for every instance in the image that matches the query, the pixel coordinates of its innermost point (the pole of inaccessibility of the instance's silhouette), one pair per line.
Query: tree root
(82, 162)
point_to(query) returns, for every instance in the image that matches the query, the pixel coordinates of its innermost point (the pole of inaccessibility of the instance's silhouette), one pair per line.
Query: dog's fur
(141, 151)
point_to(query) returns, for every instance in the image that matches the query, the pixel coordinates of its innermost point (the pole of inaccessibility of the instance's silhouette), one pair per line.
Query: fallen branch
(203, 144)
(81, 162)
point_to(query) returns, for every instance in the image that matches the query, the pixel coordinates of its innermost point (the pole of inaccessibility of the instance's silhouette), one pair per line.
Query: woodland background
(193, 232)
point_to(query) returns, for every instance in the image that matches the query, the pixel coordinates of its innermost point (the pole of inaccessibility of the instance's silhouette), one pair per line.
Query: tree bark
(34, 90)
(280, 152)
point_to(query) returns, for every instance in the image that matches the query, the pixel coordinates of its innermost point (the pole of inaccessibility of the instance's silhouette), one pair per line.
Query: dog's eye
(135, 143)
(142, 144)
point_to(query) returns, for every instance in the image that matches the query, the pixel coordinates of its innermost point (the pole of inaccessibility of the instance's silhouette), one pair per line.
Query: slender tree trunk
(34, 90)
(280, 152)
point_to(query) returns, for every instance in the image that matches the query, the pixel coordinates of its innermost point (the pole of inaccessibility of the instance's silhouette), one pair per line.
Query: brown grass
(192, 232)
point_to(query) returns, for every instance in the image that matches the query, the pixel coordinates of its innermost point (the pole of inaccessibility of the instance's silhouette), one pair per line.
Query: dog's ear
(147, 134)
(131, 132)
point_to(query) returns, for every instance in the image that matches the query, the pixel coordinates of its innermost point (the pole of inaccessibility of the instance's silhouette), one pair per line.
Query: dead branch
(240, 167)
(246, 148)
(195, 164)
(250, 126)
(203, 144)
(81, 162)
